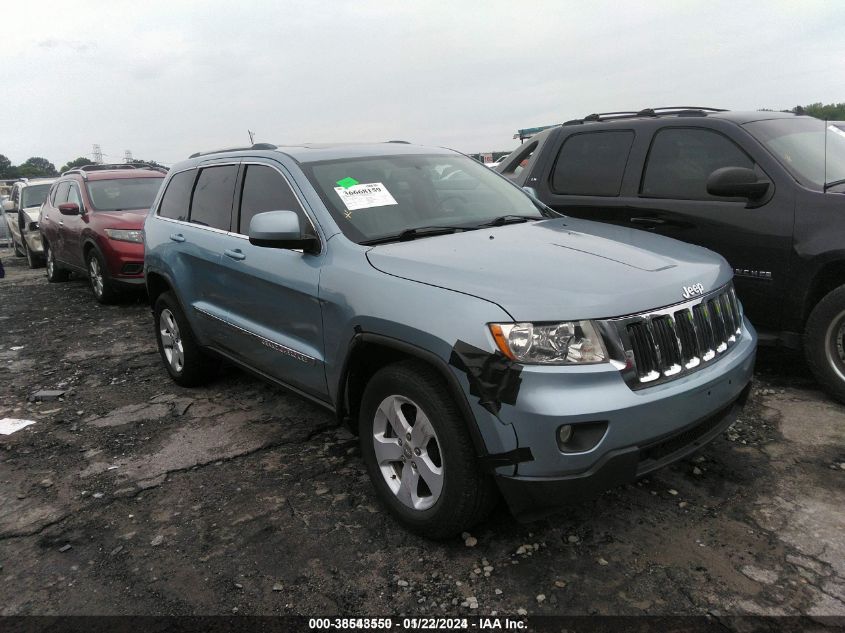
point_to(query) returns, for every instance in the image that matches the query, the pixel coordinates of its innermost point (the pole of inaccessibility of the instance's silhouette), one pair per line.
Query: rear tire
(18, 251)
(184, 359)
(429, 477)
(824, 342)
(54, 272)
(98, 275)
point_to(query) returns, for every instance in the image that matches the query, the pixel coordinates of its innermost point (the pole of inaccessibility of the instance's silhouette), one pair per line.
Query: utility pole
(97, 154)
(127, 156)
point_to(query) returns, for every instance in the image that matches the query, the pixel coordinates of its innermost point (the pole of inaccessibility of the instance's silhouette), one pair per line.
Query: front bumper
(533, 497)
(645, 430)
(125, 261)
(34, 241)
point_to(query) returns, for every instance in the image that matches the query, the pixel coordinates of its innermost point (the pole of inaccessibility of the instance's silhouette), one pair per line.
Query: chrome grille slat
(668, 343)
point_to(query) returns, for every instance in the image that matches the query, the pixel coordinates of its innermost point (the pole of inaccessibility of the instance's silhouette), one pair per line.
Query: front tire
(185, 361)
(18, 249)
(98, 275)
(824, 342)
(419, 454)
(55, 273)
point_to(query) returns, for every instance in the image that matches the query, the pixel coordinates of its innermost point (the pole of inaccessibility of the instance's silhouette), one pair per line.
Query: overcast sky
(165, 79)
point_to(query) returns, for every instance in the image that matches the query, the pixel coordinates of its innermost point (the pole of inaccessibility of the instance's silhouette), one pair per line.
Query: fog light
(564, 433)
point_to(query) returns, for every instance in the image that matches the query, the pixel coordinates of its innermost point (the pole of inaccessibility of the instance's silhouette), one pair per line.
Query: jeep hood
(559, 269)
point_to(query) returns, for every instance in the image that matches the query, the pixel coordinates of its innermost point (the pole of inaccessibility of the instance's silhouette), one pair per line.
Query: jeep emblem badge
(693, 291)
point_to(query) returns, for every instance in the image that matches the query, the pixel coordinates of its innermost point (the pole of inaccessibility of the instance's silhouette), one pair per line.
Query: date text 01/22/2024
(419, 624)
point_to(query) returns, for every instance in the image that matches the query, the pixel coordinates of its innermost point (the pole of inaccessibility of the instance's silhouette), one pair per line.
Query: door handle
(177, 237)
(651, 221)
(61, 222)
(235, 254)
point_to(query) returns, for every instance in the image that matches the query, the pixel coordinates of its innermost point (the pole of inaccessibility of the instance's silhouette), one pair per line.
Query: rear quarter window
(592, 163)
(177, 197)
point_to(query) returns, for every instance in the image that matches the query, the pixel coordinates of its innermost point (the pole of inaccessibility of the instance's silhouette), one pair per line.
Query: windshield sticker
(365, 196)
(347, 182)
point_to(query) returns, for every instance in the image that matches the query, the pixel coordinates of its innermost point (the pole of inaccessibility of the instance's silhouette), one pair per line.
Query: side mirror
(736, 182)
(69, 208)
(280, 229)
(8, 205)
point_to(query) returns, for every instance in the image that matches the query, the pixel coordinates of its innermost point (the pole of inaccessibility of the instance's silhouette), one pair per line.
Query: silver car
(20, 212)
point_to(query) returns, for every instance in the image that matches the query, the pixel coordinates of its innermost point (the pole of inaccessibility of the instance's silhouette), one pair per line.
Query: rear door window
(681, 160)
(592, 163)
(265, 189)
(211, 204)
(177, 198)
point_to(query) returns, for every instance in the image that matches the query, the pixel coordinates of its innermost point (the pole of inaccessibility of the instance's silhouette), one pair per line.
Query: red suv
(92, 222)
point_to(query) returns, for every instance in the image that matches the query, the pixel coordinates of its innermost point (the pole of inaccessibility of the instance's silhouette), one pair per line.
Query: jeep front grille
(665, 344)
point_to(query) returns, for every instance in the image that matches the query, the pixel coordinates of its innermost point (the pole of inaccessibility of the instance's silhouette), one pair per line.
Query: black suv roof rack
(84, 169)
(646, 112)
(235, 149)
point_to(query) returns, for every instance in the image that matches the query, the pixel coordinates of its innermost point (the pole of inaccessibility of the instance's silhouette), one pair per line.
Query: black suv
(764, 189)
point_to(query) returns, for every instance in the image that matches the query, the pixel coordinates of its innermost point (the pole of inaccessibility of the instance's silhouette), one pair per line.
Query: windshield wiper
(835, 183)
(509, 219)
(411, 234)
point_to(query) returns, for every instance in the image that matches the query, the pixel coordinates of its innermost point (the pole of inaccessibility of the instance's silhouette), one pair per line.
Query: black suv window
(177, 198)
(681, 159)
(265, 189)
(518, 161)
(211, 204)
(592, 163)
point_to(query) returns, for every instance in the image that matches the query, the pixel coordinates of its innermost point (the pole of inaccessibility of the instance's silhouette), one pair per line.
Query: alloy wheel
(835, 345)
(51, 263)
(171, 341)
(96, 275)
(408, 452)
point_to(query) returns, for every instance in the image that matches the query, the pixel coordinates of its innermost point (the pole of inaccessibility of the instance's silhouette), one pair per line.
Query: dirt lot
(131, 495)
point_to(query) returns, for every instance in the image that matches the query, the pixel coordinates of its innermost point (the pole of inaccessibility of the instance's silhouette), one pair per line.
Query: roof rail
(646, 112)
(234, 149)
(84, 169)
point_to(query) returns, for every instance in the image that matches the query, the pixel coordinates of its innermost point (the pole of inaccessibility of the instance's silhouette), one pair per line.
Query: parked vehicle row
(479, 341)
(763, 189)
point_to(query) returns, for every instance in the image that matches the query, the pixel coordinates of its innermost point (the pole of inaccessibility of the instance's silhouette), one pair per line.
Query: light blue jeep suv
(477, 341)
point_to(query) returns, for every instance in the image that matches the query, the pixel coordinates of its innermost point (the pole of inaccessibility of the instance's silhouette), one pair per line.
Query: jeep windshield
(800, 145)
(123, 194)
(34, 195)
(393, 198)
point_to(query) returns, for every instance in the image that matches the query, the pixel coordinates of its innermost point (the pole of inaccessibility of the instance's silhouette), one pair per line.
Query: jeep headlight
(126, 235)
(570, 342)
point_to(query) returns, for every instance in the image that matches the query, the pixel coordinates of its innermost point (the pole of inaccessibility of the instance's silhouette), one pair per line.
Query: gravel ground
(130, 495)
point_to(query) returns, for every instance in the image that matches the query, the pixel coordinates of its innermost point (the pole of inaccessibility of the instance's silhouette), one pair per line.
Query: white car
(21, 213)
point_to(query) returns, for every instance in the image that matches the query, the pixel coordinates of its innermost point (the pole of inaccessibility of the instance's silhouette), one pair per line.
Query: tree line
(38, 167)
